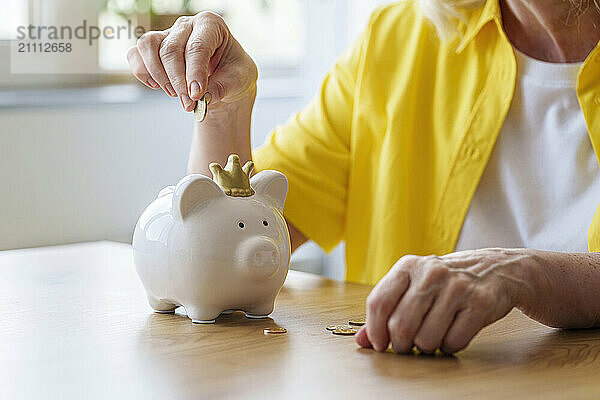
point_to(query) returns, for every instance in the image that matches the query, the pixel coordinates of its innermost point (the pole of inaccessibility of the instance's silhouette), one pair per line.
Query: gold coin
(344, 331)
(357, 321)
(276, 330)
(201, 109)
(334, 327)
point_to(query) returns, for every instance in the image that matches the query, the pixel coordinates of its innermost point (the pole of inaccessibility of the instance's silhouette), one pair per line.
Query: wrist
(242, 102)
(224, 118)
(511, 271)
(526, 276)
(225, 130)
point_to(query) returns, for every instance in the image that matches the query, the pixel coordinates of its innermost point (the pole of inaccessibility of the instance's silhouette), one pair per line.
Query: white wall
(85, 172)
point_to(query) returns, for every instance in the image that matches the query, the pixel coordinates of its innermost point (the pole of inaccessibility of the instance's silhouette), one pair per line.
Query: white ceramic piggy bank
(213, 248)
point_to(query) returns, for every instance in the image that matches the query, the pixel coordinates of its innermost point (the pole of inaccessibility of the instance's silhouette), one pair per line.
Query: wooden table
(74, 324)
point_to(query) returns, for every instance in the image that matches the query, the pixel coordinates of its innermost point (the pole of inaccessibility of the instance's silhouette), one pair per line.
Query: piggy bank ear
(273, 185)
(192, 191)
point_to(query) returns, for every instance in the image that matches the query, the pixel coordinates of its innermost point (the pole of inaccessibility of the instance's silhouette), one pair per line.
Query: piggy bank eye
(241, 224)
(265, 222)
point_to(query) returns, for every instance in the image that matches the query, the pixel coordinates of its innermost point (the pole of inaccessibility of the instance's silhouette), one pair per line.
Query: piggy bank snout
(261, 256)
(265, 257)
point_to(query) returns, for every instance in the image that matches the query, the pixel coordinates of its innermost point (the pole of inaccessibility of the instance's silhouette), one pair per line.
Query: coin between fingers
(201, 109)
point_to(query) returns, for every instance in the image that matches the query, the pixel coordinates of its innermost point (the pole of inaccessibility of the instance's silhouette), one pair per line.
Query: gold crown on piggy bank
(233, 179)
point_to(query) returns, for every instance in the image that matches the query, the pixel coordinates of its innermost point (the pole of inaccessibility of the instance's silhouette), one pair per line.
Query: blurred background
(84, 148)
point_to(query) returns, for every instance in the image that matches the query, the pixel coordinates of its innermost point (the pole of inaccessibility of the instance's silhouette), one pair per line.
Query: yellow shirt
(388, 156)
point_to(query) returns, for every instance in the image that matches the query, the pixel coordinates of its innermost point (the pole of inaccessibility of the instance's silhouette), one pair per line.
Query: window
(15, 14)
(273, 31)
(294, 40)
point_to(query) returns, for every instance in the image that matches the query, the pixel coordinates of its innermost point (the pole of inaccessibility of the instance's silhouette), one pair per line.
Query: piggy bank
(214, 246)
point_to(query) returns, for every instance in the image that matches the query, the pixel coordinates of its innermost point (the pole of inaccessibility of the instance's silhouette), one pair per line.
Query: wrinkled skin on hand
(198, 54)
(442, 302)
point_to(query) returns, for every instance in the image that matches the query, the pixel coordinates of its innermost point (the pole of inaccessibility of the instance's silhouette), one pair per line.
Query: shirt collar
(477, 20)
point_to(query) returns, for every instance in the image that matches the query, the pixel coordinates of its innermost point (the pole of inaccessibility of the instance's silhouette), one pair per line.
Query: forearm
(225, 130)
(563, 289)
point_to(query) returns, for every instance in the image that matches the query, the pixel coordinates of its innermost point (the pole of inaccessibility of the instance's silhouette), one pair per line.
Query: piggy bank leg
(160, 306)
(261, 310)
(200, 315)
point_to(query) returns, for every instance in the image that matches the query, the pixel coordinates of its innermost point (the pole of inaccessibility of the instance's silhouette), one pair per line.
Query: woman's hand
(442, 302)
(196, 55)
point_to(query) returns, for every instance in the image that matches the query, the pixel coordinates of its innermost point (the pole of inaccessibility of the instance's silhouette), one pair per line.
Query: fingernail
(152, 83)
(195, 90)
(170, 91)
(186, 102)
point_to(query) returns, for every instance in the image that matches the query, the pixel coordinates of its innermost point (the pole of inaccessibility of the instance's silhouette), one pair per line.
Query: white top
(541, 186)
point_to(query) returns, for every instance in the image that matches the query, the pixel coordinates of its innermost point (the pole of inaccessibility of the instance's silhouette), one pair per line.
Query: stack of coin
(344, 331)
(347, 330)
(332, 328)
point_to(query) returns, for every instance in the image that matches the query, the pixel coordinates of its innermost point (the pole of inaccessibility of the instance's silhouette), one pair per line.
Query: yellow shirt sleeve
(313, 150)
